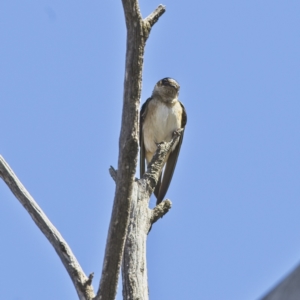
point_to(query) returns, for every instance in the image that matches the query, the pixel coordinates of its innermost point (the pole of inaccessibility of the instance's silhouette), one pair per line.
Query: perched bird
(161, 115)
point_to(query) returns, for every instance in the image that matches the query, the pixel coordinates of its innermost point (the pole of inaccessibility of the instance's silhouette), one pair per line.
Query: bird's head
(167, 89)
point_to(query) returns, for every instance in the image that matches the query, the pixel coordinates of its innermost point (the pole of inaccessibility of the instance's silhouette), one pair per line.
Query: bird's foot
(177, 132)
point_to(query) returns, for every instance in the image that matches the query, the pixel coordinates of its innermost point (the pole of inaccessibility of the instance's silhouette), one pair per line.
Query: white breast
(160, 123)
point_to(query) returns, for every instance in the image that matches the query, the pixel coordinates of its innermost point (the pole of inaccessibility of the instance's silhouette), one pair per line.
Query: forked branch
(137, 33)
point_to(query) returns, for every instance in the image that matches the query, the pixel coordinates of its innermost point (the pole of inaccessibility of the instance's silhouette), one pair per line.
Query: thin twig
(113, 173)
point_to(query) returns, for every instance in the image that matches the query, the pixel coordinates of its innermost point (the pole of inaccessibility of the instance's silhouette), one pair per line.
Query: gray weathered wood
(134, 266)
(138, 31)
(81, 282)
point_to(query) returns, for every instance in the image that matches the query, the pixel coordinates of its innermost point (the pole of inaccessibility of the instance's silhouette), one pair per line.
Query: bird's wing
(171, 162)
(143, 113)
(157, 187)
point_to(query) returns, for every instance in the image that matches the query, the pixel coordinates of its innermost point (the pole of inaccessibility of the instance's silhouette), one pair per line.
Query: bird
(161, 115)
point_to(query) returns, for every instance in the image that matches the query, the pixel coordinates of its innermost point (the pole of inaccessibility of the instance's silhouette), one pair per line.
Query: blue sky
(234, 227)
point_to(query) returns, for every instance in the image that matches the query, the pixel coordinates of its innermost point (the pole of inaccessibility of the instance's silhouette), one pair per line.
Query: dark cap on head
(168, 81)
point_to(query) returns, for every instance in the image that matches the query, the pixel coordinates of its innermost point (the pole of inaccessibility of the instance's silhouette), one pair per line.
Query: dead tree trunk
(131, 217)
(138, 30)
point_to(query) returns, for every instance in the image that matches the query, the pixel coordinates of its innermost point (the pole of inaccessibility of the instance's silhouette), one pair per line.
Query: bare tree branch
(160, 210)
(156, 164)
(137, 34)
(81, 282)
(134, 267)
(127, 190)
(155, 15)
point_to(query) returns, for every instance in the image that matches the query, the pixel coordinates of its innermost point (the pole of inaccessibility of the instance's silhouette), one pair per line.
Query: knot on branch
(63, 248)
(90, 279)
(160, 210)
(113, 173)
